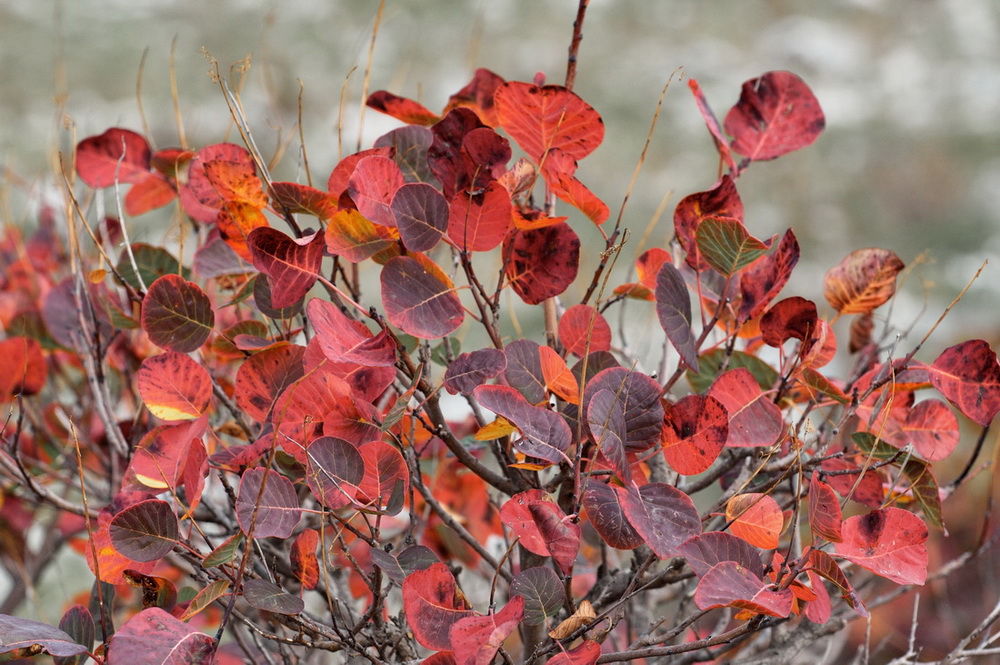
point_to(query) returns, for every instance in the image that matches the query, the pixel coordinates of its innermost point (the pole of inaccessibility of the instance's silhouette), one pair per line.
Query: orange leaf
(558, 378)
(756, 518)
(863, 281)
(236, 181)
(235, 222)
(542, 118)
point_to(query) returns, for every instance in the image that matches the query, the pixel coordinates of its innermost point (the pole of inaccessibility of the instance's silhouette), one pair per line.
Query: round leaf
(176, 314)
(174, 387)
(145, 531)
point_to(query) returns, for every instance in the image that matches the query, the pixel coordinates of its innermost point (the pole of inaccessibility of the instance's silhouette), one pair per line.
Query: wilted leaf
(583, 616)
(777, 113)
(864, 280)
(176, 314)
(889, 542)
(275, 512)
(174, 387)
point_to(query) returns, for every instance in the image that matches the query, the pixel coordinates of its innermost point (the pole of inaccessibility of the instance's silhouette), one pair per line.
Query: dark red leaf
(754, 420)
(825, 516)
(479, 222)
(110, 564)
(606, 421)
(470, 370)
(704, 551)
(825, 565)
(793, 317)
(421, 215)
(673, 308)
(777, 113)
(868, 492)
(372, 186)
(264, 375)
(663, 515)
(478, 96)
(445, 157)
(432, 606)
(21, 637)
(542, 118)
(116, 155)
(583, 330)
(763, 279)
(728, 584)
(524, 370)
(968, 375)
(344, 339)
(889, 542)
(476, 640)
(334, 470)
(604, 508)
(397, 567)
(695, 430)
(721, 201)
(544, 434)
(542, 591)
(78, 623)
(154, 637)
(176, 314)
(409, 147)
(275, 512)
(174, 387)
(337, 182)
(542, 263)
(639, 396)
(292, 266)
(419, 298)
(401, 108)
(144, 531)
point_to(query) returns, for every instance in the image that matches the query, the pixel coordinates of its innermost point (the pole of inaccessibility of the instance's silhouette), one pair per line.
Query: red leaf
(863, 281)
(419, 298)
(604, 509)
(777, 113)
(868, 492)
(542, 526)
(22, 367)
(695, 430)
(673, 308)
(346, 340)
(763, 279)
(350, 235)
(151, 192)
(144, 531)
(291, 265)
(639, 396)
(663, 515)
(583, 330)
(479, 222)
(401, 108)
(296, 198)
(606, 421)
(544, 434)
(154, 637)
(176, 314)
(889, 542)
(199, 197)
(236, 182)
(825, 516)
(478, 96)
(968, 375)
(275, 512)
(754, 420)
(721, 201)
(714, 128)
(334, 471)
(385, 474)
(824, 564)
(820, 609)
(110, 564)
(235, 222)
(432, 606)
(447, 160)
(586, 654)
(174, 387)
(558, 169)
(702, 552)
(159, 460)
(756, 518)
(476, 640)
(728, 584)
(932, 428)
(793, 317)
(422, 215)
(263, 376)
(117, 154)
(542, 118)
(542, 263)
(470, 370)
(372, 186)
(342, 172)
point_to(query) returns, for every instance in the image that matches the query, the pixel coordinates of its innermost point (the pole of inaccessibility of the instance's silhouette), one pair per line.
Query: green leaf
(726, 244)
(712, 363)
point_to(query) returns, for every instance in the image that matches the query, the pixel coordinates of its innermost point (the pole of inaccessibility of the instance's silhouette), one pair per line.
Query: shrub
(258, 438)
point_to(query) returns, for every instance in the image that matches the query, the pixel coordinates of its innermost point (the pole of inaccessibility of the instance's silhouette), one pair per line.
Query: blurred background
(909, 161)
